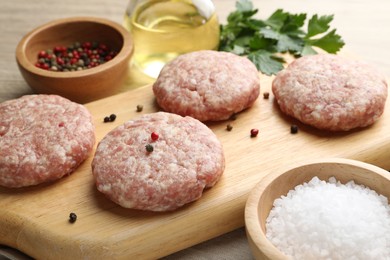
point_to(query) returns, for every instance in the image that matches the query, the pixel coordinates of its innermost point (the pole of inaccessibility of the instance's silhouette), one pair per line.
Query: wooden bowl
(278, 183)
(79, 86)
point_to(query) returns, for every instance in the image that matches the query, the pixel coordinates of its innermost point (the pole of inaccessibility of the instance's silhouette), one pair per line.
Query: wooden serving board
(35, 220)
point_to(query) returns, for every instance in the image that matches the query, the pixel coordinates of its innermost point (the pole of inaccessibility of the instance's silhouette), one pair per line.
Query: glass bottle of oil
(164, 29)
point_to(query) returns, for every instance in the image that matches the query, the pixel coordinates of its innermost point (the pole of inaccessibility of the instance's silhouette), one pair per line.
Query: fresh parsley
(262, 40)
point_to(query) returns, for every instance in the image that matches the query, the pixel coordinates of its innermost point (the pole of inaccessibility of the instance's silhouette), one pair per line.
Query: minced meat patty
(42, 138)
(331, 92)
(187, 157)
(207, 85)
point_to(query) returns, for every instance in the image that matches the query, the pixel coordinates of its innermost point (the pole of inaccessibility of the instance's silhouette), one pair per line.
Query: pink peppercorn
(44, 66)
(154, 136)
(254, 132)
(42, 54)
(103, 47)
(87, 45)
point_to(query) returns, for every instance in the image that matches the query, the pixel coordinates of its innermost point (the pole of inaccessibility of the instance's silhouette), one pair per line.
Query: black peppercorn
(229, 127)
(139, 108)
(149, 148)
(266, 95)
(72, 217)
(294, 129)
(112, 117)
(233, 117)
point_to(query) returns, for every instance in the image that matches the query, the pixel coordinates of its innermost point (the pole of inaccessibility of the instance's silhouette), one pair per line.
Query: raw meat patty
(186, 158)
(207, 85)
(331, 92)
(42, 138)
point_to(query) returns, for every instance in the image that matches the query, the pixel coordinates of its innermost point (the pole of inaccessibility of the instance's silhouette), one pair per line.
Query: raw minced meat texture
(42, 138)
(207, 85)
(331, 92)
(187, 157)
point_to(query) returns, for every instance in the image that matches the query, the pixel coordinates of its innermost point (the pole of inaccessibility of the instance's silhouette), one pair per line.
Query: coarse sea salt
(331, 220)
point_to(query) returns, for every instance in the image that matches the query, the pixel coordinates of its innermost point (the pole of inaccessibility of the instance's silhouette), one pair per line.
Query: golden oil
(164, 29)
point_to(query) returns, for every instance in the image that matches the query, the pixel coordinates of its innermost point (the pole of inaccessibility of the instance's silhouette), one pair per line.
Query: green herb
(262, 40)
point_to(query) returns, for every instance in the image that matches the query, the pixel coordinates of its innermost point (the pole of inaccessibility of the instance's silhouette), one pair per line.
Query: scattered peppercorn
(266, 95)
(149, 148)
(294, 129)
(112, 117)
(233, 117)
(139, 108)
(229, 127)
(154, 136)
(72, 217)
(254, 132)
(74, 57)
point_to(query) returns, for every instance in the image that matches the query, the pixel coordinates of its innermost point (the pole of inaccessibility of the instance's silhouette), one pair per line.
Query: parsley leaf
(331, 42)
(318, 25)
(282, 32)
(244, 5)
(265, 61)
(287, 43)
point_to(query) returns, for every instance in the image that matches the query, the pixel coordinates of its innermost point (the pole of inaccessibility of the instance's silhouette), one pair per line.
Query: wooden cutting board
(35, 220)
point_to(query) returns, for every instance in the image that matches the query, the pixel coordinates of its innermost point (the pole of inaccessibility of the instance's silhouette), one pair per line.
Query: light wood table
(364, 25)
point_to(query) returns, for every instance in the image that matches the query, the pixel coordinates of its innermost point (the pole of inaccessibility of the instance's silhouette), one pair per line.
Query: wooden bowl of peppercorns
(80, 58)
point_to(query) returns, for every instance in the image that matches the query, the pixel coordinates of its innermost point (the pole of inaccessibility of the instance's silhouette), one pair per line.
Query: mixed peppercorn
(77, 56)
(154, 136)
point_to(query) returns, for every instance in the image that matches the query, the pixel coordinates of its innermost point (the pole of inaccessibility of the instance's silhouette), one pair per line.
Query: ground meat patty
(42, 138)
(207, 85)
(187, 157)
(331, 92)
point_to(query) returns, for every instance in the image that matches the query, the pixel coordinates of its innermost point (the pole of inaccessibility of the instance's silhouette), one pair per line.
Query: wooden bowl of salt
(343, 212)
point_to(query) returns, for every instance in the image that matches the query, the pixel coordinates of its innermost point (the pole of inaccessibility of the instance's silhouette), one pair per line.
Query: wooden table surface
(364, 25)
